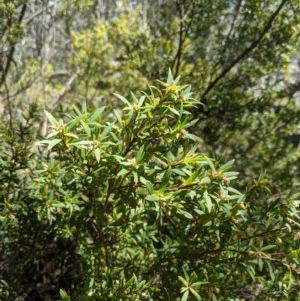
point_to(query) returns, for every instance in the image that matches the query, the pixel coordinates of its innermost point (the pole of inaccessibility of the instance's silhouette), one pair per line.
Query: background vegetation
(122, 181)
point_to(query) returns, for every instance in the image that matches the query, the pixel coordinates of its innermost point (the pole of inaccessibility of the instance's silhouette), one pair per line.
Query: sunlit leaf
(52, 120)
(97, 153)
(123, 99)
(52, 143)
(208, 201)
(185, 296)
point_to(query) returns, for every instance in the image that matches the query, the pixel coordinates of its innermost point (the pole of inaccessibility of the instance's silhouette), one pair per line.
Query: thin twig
(12, 49)
(30, 18)
(249, 49)
(9, 104)
(65, 89)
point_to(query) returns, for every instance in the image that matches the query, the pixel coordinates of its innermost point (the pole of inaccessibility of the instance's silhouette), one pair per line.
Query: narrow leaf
(185, 296)
(226, 166)
(210, 163)
(83, 107)
(52, 134)
(52, 120)
(141, 101)
(129, 283)
(268, 247)
(198, 297)
(183, 280)
(165, 180)
(52, 143)
(140, 154)
(118, 117)
(95, 114)
(174, 111)
(86, 127)
(106, 130)
(97, 154)
(170, 79)
(123, 99)
(208, 201)
(192, 178)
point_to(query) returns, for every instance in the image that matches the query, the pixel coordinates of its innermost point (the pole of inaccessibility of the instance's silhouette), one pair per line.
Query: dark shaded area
(53, 267)
(293, 139)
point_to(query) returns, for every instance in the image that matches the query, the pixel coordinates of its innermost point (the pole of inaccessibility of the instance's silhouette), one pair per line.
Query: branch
(12, 50)
(177, 58)
(66, 87)
(10, 114)
(39, 12)
(182, 35)
(253, 45)
(236, 14)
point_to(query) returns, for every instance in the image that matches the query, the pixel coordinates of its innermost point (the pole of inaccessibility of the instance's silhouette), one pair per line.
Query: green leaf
(95, 114)
(79, 143)
(86, 128)
(231, 175)
(106, 130)
(123, 99)
(193, 176)
(77, 111)
(174, 111)
(210, 163)
(271, 270)
(263, 249)
(63, 295)
(97, 154)
(226, 166)
(170, 79)
(185, 213)
(187, 277)
(73, 122)
(83, 107)
(193, 137)
(149, 186)
(135, 177)
(185, 296)
(52, 134)
(52, 143)
(208, 201)
(165, 181)
(118, 117)
(152, 197)
(129, 283)
(293, 255)
(71, 135)
(198, 297)
(51, 119)
(233, 190)
(199, 212)
(185, 282)
(122, 172)
(134, 98)
(205, 180)
(140, 154)
(260, 264)
(199, 283)
(142, 99)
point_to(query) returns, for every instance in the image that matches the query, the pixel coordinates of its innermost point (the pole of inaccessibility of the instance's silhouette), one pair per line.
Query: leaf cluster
(124, 204)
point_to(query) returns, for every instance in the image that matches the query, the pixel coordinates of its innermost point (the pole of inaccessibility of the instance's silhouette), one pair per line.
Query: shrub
(126, 207)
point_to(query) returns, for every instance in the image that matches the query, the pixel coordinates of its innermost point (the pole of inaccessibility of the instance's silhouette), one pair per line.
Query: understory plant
(133, 210)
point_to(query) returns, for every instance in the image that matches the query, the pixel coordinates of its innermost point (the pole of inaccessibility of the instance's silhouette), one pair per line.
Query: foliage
(236, 54)
(95, 207)
(128, 208)
(107, 53)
